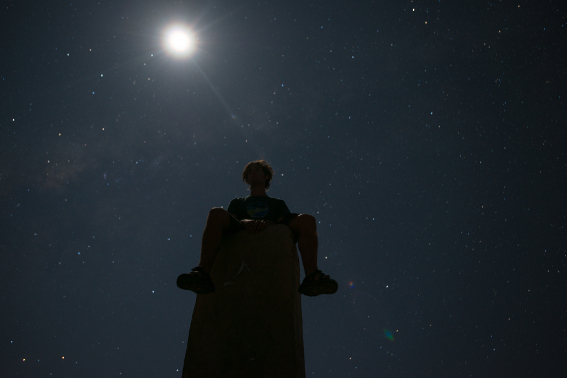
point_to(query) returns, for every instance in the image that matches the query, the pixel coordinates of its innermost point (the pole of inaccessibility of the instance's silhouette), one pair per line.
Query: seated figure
(254, 213)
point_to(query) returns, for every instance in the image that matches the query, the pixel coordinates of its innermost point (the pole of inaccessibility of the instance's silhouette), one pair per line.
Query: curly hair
(268, 171)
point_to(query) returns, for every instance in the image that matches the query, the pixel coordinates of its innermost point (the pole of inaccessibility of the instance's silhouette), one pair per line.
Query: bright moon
(179, 41)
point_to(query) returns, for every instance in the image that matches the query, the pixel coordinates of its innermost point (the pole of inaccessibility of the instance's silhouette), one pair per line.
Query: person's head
(258, 168)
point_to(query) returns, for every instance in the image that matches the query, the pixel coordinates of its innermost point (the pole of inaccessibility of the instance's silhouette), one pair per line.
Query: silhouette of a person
(254, 213)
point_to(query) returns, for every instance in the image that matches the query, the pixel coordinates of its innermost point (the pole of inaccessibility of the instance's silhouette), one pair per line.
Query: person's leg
(315, 282)
(305, 227)
(218, 221)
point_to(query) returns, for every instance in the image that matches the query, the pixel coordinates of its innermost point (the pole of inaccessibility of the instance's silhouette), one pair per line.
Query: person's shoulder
(237, 200)
(277, 199)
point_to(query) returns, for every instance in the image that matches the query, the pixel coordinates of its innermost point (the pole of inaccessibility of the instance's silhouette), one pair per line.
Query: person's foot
(197, 281)
(318, 283)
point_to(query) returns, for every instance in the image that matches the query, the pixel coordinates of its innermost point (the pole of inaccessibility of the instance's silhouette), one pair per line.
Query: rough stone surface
(252, 325)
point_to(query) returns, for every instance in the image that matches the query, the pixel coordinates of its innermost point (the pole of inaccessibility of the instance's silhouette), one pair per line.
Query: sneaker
(197, 281)
(318, 283)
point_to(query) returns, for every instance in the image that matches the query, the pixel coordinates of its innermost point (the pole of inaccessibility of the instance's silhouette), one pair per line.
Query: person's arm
(283, 211)
(232, 208)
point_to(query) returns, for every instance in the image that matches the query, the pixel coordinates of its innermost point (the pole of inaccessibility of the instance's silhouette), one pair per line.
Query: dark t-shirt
(261, 208)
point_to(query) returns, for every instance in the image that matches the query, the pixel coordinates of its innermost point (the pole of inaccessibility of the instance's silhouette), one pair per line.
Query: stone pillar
(251, 326)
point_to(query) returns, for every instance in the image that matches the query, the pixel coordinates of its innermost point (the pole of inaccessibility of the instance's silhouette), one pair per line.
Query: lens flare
(388, 335)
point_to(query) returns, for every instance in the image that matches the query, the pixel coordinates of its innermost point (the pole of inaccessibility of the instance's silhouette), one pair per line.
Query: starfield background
(426, 137)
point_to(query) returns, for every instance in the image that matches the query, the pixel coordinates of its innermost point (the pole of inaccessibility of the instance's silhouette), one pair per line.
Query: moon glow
(179, 41)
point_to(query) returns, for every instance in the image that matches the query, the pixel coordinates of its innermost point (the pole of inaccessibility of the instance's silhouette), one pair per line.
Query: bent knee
(307, 220)
(218, 213)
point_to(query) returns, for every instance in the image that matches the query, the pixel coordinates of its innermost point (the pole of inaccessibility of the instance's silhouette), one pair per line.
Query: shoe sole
(186, 282)
(313, 289)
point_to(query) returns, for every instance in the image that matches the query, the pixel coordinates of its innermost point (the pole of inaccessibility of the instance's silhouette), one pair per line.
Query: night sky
(424, 136)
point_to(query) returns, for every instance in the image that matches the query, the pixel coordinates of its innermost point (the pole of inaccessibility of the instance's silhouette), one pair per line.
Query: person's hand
(250, 226)
(263, 224)
(255, 226)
